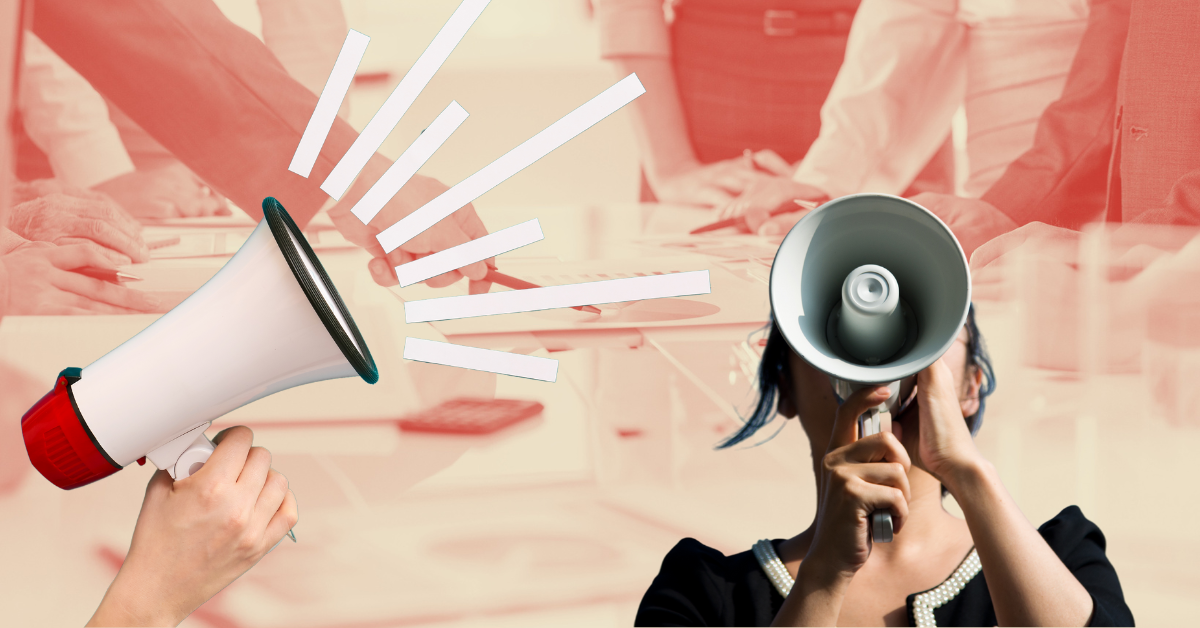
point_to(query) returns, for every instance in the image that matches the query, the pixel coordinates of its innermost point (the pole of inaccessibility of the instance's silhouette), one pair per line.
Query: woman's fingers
(875, 497)
(875, 448)
(104, 292)
(284, 519)
(891, 474)
(229, 457)
(254, 472)
(272, 493)
(770, 161)
(845, 426)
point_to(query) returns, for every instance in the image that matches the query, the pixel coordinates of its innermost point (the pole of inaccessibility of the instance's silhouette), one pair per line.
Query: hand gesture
(460, 227)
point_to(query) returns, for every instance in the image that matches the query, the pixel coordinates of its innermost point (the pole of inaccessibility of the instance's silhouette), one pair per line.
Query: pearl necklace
(923, 603)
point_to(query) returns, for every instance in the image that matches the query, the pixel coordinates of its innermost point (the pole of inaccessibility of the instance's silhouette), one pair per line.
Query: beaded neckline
(923, 603)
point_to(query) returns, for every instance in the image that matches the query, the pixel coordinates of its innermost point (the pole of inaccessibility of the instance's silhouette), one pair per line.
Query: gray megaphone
(870, 289)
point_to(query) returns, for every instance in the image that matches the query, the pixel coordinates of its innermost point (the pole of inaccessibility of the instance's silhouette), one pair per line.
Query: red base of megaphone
(58, 442)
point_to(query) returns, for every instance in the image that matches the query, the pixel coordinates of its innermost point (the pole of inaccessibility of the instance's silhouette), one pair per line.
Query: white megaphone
(870, 289)
(269, 320)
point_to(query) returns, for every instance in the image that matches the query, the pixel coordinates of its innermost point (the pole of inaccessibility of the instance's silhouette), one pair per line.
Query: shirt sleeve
(890, 107)
(1061, 179)
(684, 592)
(632, 28)
(67, 119)
(207, 90)
(1080, 545)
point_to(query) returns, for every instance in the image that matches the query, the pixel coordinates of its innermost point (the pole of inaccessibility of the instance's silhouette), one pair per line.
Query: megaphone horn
(270, 319)
(870, 289)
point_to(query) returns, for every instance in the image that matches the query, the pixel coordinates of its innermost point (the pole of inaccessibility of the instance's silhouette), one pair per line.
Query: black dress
(699, 586)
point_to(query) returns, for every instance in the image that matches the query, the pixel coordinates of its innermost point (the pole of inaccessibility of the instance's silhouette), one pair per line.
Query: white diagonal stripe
(410, 162)
(329, 102)
(453, 258)
(402, 98)
(570, 295)
(512, 162)
(476, 359)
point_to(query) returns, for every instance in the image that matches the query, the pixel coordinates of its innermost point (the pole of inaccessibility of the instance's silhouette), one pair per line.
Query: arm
(1028, 582)
(209, 91)
(214, 96)
(889, 109)
(1062, 179)
(68, 120)
(634, 36)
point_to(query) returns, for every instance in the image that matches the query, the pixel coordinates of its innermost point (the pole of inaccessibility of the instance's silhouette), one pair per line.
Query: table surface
(566, 518)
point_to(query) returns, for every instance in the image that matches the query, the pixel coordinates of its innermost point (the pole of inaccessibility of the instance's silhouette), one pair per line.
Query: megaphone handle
(194, 457)
(881, 520)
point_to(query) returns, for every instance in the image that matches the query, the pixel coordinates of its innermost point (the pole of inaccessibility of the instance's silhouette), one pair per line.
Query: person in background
(910, 65)
(733, 88)
(1121, 145)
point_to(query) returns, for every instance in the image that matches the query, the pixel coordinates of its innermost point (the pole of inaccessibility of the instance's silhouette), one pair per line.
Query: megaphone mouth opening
(911, 333)
(321, 293)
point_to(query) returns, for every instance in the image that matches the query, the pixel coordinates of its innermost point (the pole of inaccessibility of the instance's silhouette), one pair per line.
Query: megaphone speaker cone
(870, 288)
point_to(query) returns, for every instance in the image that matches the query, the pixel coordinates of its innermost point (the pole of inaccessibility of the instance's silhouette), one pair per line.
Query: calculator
(469, 415)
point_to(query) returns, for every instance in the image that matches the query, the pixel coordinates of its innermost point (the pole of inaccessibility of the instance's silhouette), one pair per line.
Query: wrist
(130, 602)
(657, 172)
(968, 477)
(817, 575)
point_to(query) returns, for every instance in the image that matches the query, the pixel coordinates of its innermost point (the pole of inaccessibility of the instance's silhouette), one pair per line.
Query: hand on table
(709, 185)
(40, 281)
(196, 536)
(766, 193)
(460, 227)
(170, 191)
(973, 221)
(92, 220)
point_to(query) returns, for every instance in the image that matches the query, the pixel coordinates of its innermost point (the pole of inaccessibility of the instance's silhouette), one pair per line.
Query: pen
(509, 281)
(789, 206)
(106, 274)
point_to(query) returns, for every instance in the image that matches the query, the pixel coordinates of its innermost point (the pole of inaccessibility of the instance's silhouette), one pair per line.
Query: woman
(993, 568)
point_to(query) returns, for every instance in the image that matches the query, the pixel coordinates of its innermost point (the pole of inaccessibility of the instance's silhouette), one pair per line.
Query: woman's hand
(40, 281)
(170, 191)
(946, 448)
(765, 194)
(710, 185)
(68, 219)
(197, 535)
(460, 227)
(858, 477)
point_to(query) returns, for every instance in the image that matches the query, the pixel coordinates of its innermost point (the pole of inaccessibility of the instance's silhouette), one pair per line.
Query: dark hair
(774, 369)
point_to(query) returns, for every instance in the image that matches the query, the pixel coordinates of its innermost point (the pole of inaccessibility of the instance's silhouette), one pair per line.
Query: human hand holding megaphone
(271, 319)
(870, 289)
(196, 536)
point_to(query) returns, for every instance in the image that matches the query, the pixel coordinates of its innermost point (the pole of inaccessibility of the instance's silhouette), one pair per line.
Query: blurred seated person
(1122, 144)
(910, 65)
